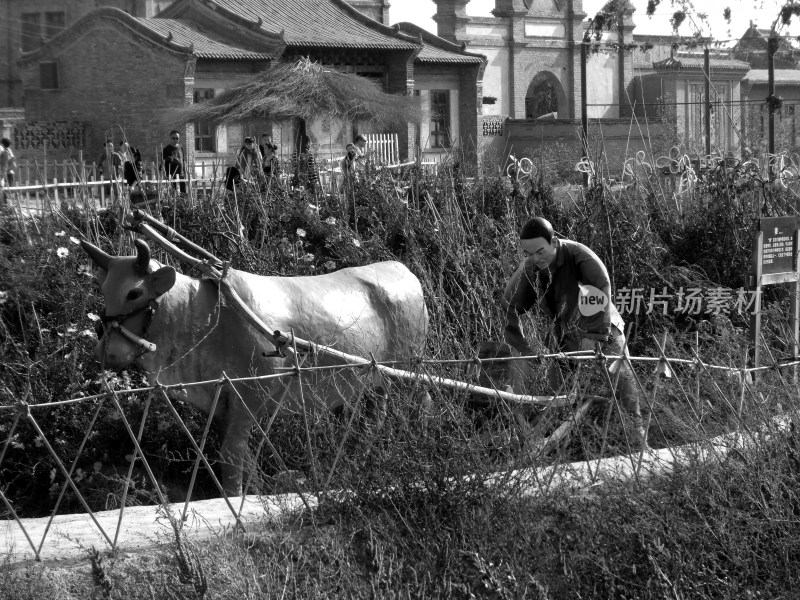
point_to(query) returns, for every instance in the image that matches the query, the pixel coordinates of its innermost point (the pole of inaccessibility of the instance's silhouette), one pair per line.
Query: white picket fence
(383, 148)
(39, 183)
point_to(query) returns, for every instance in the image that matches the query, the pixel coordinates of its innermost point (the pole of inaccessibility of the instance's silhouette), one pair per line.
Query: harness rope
(115, 322)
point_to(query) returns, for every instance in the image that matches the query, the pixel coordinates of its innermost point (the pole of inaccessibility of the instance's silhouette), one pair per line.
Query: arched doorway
(545, 95)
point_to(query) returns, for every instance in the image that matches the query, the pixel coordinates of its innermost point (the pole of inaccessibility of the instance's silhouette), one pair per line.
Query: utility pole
(584, 111)
(772, 45)
(707, 103)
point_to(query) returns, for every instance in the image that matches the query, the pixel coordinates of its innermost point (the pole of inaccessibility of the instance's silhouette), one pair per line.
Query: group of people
(122, 162)
(254, 163)
(353, 162)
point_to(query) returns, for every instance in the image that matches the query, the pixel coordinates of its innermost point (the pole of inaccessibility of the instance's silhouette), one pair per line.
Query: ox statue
(180, 330)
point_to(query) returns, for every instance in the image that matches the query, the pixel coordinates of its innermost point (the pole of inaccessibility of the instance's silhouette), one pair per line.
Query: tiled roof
(432, 54)
(678, 63)
(206, 44)
(319, 23)
(782, 76)
(436, 49)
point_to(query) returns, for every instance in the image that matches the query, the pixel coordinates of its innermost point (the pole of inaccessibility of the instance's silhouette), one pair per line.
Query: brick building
(118, 71)
(27, 25)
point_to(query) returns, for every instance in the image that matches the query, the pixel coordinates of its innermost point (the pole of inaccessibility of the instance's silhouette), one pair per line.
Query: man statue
(570, 285)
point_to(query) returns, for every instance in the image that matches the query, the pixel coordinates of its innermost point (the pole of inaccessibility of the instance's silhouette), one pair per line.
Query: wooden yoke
(215, 270)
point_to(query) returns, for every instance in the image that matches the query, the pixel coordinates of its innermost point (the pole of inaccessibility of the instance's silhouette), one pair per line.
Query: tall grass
(419, 519)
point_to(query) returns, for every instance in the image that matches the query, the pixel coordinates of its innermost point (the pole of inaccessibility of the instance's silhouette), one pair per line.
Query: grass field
(419, 520)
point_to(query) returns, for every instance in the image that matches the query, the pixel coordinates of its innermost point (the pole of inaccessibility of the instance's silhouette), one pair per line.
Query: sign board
(775, 250)
(778, 249)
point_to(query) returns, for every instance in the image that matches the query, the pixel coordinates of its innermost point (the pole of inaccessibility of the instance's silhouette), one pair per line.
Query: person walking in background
(7, 163)
(270, 165)
(304, 167)
(172, 155)
(348, 166)
(131, 162)
(553, 275)
(249, 160)
(266, 140)
(110, 162)
(362, 153)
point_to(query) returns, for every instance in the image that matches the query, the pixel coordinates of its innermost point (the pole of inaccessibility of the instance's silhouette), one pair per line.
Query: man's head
(5, 142)
(361, 141)
(350, 148)
(536, 240)
(174, 137)
(110, 144)
(248, 141)
(266, 139)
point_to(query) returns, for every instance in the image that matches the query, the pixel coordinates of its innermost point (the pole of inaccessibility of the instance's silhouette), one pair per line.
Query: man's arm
(593, 272)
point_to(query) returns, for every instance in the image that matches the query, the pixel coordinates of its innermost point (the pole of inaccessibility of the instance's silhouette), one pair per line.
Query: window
(440, 119)
(53, 23)
(31, 31)
(695, 99)
(48, 75)
(204, 131)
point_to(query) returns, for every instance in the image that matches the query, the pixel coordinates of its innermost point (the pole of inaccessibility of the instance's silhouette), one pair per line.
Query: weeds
(418, 520)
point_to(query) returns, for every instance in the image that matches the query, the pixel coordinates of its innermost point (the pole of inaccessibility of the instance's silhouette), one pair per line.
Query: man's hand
(588, 345)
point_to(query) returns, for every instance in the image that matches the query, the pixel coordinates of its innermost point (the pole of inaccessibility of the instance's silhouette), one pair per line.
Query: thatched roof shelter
(305, 90)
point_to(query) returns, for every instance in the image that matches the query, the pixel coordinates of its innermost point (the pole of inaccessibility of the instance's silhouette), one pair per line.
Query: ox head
(130, 286)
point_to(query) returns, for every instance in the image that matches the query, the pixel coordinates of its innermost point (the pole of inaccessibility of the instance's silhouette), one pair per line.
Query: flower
(93, 317)
(308, 257)
(300, 232)
(3, 297)
(85, 269)
(356, 243)
(74, 240)
(62, 252)
(61, 233)
(330, 221)
(330, 265)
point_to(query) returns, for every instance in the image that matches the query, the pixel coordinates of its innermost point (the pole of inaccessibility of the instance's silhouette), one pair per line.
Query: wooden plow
(213, 268)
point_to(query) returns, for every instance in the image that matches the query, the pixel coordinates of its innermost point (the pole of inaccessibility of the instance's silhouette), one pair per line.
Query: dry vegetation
(418, 523)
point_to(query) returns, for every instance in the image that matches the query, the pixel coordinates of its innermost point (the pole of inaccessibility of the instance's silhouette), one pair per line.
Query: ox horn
(142, 257)
(98, 257)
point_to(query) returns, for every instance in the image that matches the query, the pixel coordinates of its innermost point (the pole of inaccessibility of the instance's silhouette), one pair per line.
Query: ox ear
(100, 258)
(162, 280)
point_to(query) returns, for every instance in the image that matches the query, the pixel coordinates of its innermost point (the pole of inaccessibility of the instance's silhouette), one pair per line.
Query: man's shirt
(556, 290)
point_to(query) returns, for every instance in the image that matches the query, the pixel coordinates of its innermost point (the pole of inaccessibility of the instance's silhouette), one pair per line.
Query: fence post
(707, 104)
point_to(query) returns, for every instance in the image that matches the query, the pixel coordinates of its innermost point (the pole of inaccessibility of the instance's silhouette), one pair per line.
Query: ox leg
(234, 452)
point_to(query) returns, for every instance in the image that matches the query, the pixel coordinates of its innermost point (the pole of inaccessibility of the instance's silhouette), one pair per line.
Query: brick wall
(123, 88)
(11, 16)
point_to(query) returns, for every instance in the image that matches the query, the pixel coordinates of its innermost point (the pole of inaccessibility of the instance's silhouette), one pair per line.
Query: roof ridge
(389, 30)
(213, 5)
(117, 14)
(437, 41)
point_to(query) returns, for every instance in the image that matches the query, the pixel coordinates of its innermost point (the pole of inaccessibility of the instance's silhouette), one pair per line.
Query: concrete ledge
(70, 536)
